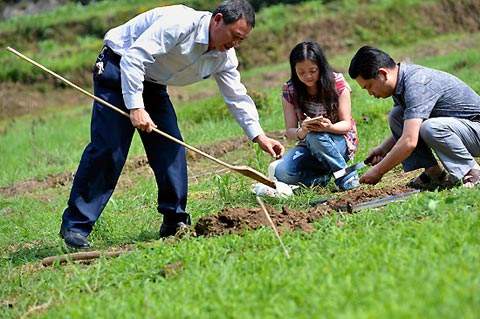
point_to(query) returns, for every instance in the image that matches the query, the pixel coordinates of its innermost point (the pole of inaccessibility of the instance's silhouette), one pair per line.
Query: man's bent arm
(403, 147)
(239, 103)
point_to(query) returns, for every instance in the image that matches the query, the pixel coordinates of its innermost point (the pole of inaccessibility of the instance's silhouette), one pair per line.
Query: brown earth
(17, 99)
(238, 220)
(349, 199)
(31, 185)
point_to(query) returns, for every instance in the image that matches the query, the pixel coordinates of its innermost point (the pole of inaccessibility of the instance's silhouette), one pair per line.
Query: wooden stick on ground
(264, 209)
(81, 256)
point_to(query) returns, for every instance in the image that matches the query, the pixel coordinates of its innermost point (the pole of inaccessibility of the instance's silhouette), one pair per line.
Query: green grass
(409, 260)
(418, 258)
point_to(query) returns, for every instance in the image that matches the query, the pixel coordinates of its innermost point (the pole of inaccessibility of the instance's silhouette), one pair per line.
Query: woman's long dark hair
(327, 93)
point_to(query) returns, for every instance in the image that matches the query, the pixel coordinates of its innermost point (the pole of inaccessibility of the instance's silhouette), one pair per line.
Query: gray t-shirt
(424, 93)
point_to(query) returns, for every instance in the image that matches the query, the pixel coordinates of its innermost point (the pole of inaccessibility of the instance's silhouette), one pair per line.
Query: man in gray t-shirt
(433, 110)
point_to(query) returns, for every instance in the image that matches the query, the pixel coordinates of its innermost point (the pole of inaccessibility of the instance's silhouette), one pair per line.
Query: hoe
(241, 169)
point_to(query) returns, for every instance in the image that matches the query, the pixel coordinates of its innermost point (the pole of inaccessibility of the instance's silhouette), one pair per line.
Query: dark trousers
(105, 155)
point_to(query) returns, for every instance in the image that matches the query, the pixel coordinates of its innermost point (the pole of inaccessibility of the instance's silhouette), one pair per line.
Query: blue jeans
(104, 157)
(313, 163)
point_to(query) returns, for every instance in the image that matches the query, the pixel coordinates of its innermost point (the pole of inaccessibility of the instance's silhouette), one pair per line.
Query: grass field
(415, 259)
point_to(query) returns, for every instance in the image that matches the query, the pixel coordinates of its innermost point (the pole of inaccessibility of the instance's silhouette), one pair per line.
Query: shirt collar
(400, 79)
(203, 35)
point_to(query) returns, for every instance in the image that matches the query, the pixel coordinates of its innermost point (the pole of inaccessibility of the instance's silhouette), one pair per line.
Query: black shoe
(74, 240)
(167, 230)
(172, 224)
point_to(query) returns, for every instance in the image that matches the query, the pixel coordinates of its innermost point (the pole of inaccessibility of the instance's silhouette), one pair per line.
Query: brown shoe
(472, 178)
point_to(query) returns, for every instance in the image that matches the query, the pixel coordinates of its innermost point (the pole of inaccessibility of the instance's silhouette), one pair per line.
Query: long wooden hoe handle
(249, 172)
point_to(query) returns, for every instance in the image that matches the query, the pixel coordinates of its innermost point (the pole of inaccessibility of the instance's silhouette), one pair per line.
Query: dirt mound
(238, 220)
(355, 197)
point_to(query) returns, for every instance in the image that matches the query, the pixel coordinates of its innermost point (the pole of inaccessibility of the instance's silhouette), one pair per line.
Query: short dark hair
(367, 61)
(234, 10)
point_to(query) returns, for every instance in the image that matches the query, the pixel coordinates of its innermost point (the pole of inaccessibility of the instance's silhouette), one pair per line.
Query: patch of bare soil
(30, 185)
(238, 220)
(221, 148)
(19, 99)
(347, 200)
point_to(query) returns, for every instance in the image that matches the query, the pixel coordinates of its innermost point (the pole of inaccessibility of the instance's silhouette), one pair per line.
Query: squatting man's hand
(141, 120)
(373, 175)
(269, 145)
(376, 155)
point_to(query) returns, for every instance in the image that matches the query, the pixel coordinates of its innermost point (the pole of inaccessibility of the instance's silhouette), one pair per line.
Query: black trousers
(111, 135)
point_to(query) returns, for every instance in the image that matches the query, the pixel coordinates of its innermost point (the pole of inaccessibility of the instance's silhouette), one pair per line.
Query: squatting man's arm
(389, 154)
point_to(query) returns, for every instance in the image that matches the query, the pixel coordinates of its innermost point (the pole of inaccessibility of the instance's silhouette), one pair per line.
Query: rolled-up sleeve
(157, 40)
(238, 101)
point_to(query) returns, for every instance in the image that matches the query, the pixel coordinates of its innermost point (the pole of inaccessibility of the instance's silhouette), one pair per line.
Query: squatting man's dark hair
(367, 61)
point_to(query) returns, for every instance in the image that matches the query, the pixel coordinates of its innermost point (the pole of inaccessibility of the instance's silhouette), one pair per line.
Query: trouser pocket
(106, 70)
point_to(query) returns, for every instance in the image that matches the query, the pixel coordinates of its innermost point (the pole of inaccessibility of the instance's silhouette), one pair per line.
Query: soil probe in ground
(241, 169)
(264, 209)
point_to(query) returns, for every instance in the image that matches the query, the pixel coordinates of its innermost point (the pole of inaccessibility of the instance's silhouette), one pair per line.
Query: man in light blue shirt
(433, 111)
(172, 45)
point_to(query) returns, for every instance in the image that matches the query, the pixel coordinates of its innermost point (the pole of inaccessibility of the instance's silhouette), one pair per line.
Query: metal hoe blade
(348, 170)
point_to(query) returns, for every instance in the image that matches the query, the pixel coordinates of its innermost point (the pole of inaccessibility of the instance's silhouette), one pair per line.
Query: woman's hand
(321, 124)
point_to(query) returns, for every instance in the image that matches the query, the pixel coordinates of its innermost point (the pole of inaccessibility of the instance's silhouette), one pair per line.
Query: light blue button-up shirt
(168, 45)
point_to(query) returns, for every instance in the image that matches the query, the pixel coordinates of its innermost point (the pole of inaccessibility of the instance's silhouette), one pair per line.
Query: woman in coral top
(317, 110)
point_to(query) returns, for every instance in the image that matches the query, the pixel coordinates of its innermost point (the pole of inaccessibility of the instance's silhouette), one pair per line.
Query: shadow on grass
(35, 253)
(103, 241)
